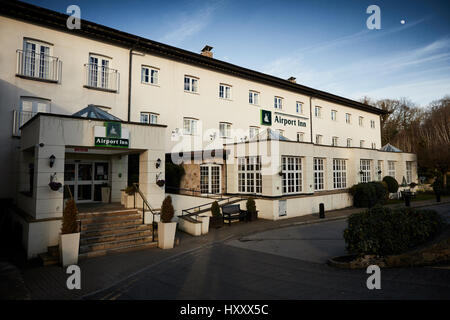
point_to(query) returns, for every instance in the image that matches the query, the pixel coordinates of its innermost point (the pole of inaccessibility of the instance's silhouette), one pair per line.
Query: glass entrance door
(85, 180)
(210, 179)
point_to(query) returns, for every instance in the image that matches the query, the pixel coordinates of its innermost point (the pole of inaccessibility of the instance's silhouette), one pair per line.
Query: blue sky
(324, 44)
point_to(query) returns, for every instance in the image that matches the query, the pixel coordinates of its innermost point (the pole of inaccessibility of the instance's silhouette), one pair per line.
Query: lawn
(419, 197)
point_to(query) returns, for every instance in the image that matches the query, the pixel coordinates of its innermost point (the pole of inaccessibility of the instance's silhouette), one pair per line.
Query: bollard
(438, 197)
(321, 211)
(407, 201)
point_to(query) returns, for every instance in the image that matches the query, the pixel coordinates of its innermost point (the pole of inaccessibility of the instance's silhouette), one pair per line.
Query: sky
(326, 45)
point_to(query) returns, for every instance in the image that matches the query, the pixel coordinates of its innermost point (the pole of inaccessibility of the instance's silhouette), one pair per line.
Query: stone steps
(112, 213)
(110, 219)
(125, 248)
(114, 231)
(110, 225)
(115, 244)
(115, 237)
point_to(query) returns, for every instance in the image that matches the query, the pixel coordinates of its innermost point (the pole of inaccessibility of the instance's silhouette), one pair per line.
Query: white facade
(205, 103)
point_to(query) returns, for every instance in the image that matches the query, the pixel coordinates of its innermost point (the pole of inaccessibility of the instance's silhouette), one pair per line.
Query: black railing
(145, 203)
(100, 77)
(38, 66)
(194, 192)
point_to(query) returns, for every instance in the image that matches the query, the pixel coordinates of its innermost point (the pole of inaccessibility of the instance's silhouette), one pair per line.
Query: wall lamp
(52, 159)
(158, 163)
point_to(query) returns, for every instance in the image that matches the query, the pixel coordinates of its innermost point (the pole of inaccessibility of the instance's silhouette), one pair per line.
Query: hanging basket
(160, 183)
(55, 186)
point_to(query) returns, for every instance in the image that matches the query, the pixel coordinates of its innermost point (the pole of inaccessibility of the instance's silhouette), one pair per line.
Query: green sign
(266, 118)
(113, 129)
(111, 142)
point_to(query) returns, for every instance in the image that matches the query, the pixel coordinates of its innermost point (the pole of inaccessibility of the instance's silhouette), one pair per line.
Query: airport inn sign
(268, 119)
(111, 135)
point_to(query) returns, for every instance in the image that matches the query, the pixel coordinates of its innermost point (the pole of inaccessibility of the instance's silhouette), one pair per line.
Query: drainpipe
(129, 83)
(310, 117)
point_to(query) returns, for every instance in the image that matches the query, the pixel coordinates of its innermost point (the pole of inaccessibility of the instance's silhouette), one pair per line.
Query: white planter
(129, 201)
(106, 194)
(68, 248)
(205, 223)
(166, 234)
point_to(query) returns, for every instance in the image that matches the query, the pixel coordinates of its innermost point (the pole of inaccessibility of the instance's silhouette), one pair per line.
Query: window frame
(251, 97)
(292, 174)
(191, 121)
(191, 80)
(319, 174)
(365, 168)
(318, 112)
(249, 175)
(224, 91)
(278, 102)
(335, 115)
(297, 104)
(339, 173)
(150, 76)
(227, 130)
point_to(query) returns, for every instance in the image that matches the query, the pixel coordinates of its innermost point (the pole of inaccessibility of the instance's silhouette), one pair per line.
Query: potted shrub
(216, 220)
(69, 240)
(252, 213)
(166, 228)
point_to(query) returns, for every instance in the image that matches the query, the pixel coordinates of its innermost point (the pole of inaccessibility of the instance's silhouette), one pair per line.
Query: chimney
(292, 79)
(206, 51)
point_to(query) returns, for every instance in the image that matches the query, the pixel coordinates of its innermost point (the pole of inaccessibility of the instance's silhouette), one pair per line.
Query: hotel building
(95, 106)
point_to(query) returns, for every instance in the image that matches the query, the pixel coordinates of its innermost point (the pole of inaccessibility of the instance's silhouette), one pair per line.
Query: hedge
(383, 231)
(368, 194)
(392, 184)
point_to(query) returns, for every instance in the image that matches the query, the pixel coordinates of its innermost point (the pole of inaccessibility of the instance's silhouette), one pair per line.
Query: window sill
(100, 89)
(36, 79)
(151, 84)
(191, 92)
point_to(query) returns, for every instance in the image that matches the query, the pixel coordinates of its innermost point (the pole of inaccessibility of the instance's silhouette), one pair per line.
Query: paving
(220, 267)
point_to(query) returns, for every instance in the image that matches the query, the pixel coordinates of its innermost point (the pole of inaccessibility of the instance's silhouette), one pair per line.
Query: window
(28, 108)
(391, 169)
(148, 117)
(318, 174)
(249, 174)
(99, 72)
(374, 146)
(318, 112)
(299, 107)
(349, 142)
(333, 115)
(318, 139)
(149, 75)
(253, 97)
(278, 103)
(209, 179)
(380, 170)
(190, 84)
(36, 59)
(361, 143)
(339, 174)
(190, 126)
(408, 172)
(361, 121)
(372, 124)
(364, 170)
(291, 168)
(300, 136)
(224, 91)
(348, 118)
(253, 132)
(224, 129)
(334, 141)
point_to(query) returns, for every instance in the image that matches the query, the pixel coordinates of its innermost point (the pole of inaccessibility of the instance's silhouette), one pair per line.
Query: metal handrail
(193, 191)
(101, 77)
(228, 200)
(145, 202)
(38, 65)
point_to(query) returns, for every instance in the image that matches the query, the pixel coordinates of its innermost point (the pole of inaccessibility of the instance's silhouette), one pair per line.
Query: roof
(55, 20)
(269, 134)
(390, 148)
(93, 112)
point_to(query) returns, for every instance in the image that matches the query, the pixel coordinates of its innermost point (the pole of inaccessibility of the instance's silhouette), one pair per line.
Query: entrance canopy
(93, 112)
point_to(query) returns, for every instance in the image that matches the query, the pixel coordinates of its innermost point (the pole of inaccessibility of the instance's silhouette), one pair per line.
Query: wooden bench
(233, 212)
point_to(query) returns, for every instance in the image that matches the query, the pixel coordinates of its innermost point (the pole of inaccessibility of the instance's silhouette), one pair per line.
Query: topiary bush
(391, 183)
(368, 194)
(382, 231)
(70, 223)
(251, 205)
(167, 210)
(215, 209)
